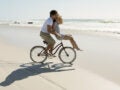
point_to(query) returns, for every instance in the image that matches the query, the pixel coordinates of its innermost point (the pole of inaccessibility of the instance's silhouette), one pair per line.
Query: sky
(69, 9)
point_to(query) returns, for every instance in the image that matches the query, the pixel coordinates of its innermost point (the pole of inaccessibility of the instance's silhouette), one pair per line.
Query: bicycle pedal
(51, 57)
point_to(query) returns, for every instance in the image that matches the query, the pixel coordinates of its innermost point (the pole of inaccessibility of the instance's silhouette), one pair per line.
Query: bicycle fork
(66, 52)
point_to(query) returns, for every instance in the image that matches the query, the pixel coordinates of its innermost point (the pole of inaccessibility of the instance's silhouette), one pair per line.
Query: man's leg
(51, 43)
(52, 46)
(48, 48)
(51, 49)
(48, 38)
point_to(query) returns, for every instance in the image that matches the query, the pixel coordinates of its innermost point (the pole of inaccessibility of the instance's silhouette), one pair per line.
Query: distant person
(56, 23)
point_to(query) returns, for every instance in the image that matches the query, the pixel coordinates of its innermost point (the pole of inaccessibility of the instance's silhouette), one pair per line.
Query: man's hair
(53, 12)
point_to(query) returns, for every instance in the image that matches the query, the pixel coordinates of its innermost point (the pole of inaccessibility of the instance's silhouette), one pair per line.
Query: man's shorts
(48, 38)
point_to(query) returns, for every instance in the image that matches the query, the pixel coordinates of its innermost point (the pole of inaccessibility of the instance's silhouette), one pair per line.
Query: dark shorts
(48, 38)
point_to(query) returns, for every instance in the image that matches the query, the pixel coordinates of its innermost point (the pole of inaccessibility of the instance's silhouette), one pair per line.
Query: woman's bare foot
(78, 49)
(81, 50)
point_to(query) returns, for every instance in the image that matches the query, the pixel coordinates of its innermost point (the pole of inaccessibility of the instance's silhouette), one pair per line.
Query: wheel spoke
(37, 54)
(67, 55)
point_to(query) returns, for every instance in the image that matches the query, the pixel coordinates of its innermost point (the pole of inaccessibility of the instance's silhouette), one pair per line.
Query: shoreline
(69, 31)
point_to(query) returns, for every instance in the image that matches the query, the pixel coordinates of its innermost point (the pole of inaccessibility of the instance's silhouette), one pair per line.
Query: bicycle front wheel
(37, 54)
(67, 55)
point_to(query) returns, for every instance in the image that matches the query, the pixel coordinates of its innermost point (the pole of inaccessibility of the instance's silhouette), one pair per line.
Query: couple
(51, 26)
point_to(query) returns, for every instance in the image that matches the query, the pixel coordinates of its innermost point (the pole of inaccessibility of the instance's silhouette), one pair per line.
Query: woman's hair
(59, 20)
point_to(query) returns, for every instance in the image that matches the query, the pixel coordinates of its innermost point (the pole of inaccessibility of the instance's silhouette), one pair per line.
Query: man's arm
(49, 28)
(52, 31)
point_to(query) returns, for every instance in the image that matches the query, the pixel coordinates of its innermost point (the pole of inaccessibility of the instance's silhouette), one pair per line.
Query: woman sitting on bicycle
(56, 23)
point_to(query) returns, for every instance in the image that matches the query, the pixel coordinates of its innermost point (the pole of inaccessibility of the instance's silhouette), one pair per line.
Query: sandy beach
(96, 68)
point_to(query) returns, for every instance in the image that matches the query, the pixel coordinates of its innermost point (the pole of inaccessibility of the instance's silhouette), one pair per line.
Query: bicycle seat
(45, 42)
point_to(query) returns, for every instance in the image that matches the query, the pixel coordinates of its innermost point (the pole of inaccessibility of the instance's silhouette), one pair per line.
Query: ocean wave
(101, 25)
(81, 27)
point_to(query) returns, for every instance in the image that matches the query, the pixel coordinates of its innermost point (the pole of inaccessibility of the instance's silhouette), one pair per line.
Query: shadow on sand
(32, 69)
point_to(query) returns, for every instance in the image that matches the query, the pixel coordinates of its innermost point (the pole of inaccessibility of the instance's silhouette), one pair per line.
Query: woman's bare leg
(69, 37)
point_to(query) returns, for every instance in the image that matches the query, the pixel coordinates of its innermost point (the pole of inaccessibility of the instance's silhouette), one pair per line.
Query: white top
(49, 21)
(57, 28)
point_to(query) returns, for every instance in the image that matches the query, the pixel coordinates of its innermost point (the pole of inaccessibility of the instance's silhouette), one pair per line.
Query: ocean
(100, 25)
(92, 25)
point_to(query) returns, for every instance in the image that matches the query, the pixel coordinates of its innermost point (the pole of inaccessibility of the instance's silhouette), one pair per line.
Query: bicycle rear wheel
(67, 55)
(37, 54)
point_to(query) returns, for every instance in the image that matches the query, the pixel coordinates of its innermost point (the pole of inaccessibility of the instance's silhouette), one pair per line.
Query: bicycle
(66, 54)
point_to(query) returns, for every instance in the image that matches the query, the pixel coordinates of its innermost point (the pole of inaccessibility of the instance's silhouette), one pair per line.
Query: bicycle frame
(57, 47)
(62, 51)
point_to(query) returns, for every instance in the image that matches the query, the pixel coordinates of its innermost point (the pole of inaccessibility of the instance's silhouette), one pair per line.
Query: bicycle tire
(40, 58)
(63, 53)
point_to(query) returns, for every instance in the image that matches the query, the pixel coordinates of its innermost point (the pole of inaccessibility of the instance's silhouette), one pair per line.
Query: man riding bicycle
(48, 29)
(51, 26)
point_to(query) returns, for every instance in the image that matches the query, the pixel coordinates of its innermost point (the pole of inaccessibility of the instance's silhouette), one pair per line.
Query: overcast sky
(39, 9)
